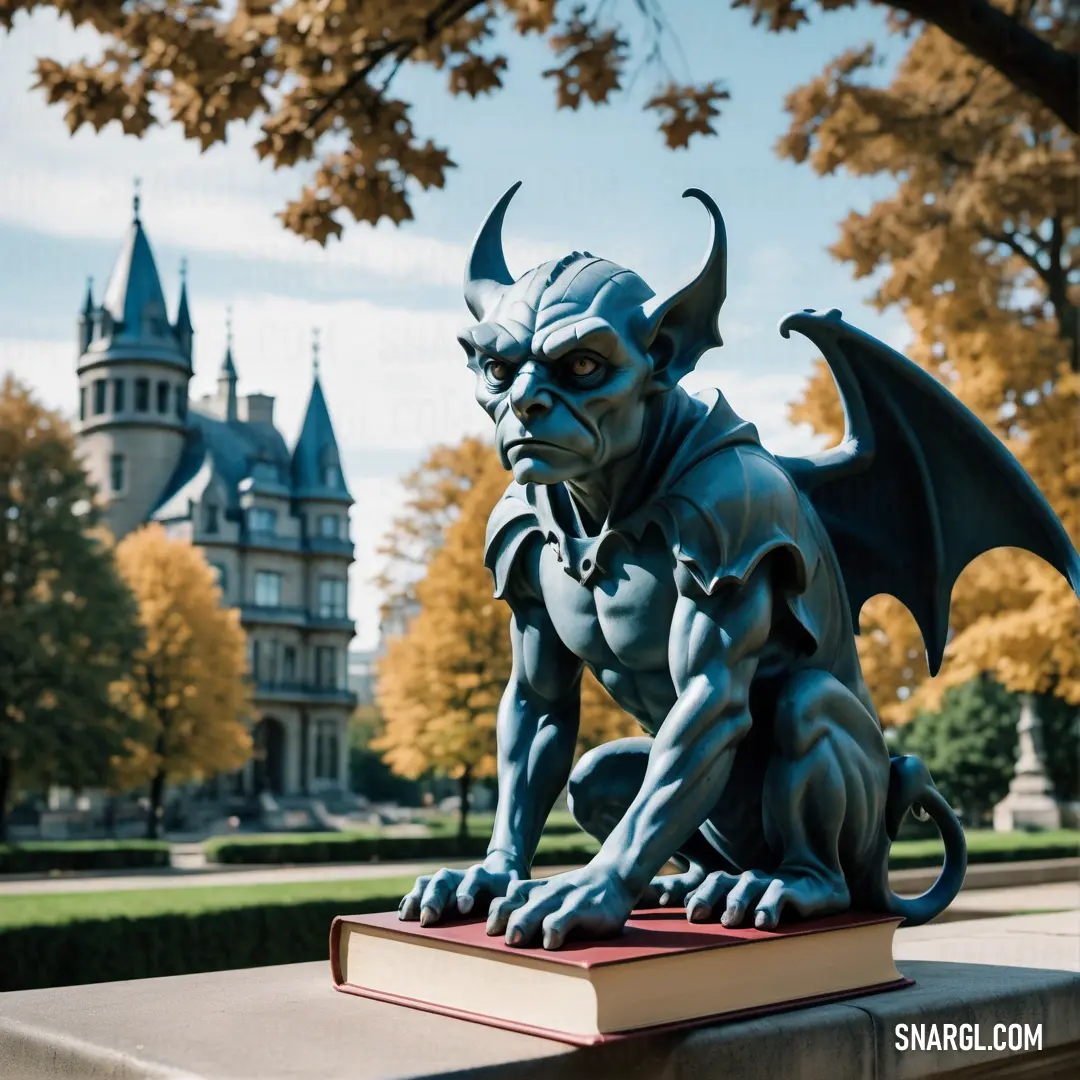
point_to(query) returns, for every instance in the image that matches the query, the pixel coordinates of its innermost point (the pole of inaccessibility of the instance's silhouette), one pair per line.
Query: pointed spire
(316, 463)
(134, 298)
(182, 326)
(228, 368)
(227, 375)
(86, 319)
(183, 314)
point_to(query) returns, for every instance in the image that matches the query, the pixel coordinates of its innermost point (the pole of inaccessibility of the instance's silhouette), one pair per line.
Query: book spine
(335, 951)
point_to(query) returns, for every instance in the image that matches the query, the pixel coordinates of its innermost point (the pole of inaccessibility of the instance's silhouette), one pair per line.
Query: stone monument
(1030, 803)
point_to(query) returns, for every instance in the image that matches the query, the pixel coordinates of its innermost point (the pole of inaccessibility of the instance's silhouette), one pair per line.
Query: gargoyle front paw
(806, 892)
(671, 890)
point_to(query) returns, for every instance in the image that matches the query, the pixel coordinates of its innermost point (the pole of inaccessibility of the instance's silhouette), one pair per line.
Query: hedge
(105, 950)
(41, 857)
(554, 850)
(341, 847)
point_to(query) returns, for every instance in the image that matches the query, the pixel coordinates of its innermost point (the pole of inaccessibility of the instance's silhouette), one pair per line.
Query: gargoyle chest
(615, 614)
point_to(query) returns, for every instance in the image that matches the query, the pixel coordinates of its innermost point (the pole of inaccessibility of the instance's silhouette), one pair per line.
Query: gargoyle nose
(528, 396)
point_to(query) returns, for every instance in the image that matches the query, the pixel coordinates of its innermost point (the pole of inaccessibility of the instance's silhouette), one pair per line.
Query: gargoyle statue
(714, 589)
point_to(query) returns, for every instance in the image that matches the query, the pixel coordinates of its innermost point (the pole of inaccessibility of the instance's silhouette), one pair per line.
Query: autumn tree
(317, 75)
(441, 681)
(187, 689)
(977, 245)
(67, 621)
(434, 494)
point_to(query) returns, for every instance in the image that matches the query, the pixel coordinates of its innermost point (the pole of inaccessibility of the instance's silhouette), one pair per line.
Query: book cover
(649, 936)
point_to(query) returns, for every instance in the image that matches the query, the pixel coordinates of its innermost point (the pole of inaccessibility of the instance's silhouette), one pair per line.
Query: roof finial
(183, 270)
(228, 327)
(315, 351)
(135, 200)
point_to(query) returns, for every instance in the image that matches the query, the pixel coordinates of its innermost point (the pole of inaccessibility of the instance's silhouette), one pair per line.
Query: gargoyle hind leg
(823, 805)
(601, 788)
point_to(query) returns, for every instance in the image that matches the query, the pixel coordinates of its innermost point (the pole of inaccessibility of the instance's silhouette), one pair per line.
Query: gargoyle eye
(498, 372)
(583, 365)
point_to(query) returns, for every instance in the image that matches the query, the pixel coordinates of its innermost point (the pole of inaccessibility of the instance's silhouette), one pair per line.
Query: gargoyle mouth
(540, 444)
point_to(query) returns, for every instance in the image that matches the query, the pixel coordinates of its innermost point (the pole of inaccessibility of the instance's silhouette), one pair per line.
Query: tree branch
(1030, 62)
(444, 14)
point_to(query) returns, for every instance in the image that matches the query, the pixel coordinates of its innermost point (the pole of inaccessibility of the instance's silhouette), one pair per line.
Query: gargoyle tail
(910, 785)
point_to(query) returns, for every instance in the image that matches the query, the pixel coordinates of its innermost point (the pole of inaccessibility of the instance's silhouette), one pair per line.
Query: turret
(133, 386)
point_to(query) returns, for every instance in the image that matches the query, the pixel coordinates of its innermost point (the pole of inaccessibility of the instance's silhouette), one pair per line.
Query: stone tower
(134, 369)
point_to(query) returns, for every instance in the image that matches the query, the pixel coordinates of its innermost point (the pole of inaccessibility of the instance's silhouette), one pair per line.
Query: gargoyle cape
(721, 501)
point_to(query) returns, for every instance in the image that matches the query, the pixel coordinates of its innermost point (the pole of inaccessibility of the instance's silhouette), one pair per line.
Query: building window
(210, 518)
(288, 664)
(329, 526)
(116, 473)
(222, 576)
(330, 475)
(326, 750)
(332, 598)
(181, 402)
(118, 402)
(326, 667)
(82, 402)
(99, 396)
(163, 397)
(268, 655)
(262, 520)
(267, 588)
(142, 395)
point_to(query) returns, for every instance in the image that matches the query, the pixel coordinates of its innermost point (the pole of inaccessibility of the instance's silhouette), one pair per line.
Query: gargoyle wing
(918, 487)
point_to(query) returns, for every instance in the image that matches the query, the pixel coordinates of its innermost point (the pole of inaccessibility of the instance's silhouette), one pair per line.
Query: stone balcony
(281, 615)
(329, 545)
(289, 693)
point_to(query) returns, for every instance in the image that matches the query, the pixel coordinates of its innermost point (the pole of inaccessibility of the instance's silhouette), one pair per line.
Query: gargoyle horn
(687, 319)
(486, 273)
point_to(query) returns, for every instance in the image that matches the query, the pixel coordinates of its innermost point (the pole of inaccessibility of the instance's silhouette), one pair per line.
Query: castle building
(274, 523)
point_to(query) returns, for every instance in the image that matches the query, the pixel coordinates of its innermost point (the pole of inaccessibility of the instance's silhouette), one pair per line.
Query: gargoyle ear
(683, 327)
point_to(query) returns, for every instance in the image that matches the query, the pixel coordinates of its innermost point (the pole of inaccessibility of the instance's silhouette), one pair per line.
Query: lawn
(1003, 846)
(36, 909)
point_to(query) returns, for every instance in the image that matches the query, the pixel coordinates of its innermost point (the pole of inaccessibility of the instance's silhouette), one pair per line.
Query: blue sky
(388, 301)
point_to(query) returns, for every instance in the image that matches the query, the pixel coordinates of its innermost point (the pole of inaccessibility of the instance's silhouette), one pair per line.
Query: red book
(662, 972)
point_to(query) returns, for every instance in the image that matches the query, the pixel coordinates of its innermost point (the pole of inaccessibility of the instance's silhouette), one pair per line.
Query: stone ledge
(286, 1023)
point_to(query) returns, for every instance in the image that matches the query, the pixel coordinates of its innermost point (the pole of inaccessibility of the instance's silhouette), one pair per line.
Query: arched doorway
(269, 756)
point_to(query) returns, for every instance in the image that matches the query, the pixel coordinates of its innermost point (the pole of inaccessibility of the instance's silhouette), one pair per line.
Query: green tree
(970, 744)
(187, 688)
(67, 621)
(317, 74)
